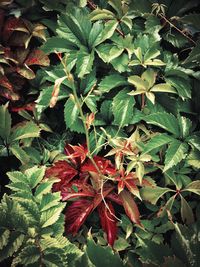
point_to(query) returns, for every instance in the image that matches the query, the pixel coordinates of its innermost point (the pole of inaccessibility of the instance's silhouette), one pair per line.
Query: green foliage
(29, 220)
(120, 81)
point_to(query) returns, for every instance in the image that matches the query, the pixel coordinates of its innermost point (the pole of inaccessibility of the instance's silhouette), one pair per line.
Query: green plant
(121, 94)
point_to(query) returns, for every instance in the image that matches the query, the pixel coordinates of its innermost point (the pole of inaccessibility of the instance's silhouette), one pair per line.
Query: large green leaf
(165, 121)
(176, 152)
(24, 130)
(5, 122)
(152, 194)
(157, 141)
(57, 44)
(111, 81)
(123, 108)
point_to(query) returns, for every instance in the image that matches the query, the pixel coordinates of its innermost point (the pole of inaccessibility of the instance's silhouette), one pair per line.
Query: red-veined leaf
(100, 195)
(62, 170)
(76, 214)
(77, 188)
(130, 207)
(108, 221)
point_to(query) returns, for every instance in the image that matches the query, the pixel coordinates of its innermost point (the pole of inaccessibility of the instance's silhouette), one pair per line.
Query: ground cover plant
(99, 133)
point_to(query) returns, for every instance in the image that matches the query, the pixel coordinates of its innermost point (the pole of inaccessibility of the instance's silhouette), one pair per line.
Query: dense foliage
(100, 132)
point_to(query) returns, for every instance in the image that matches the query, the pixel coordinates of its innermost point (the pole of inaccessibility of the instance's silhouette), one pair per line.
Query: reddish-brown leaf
(62, 170)
(76, 214)
(114, 197)
(130, 207)
(104, 165)
(29, 107)
(6, 83)
(37, 57)
(77, 154)
(11, 25)
(77, 188)
(108, 221)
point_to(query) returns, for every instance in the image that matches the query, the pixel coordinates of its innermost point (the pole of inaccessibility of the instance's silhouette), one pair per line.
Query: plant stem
(176, 28)
(142, 101)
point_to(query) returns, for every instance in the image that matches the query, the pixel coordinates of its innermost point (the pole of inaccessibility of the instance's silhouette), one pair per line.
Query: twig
(176, 28)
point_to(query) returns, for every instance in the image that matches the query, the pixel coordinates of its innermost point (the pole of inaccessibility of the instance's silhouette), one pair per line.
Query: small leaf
(84, 63)
(110, 82)
(123, 108)
(186, 212)
(130, 207)
(175, 153)
(152, 194)
(5, 125)
(24, 130)
(193, 187)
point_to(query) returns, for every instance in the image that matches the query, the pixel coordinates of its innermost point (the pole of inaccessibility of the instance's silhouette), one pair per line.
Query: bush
(113, 133)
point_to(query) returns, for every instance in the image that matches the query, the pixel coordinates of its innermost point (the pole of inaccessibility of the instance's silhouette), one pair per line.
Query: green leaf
(163, 87)
(19, 153)
(71, 112)
(123, 108)
(152, 194)
(182, 86)
(117, 6)
(57, 44)
(102, 256)
(165, 121)
(194, 55)
(5, 125)
(4, 237)
(185, 126)
(84, 63)
(156, 142)
(194, 140)
(24, 130)
(51, 215)
(176, 152)
(101, 14)
(139, 83)
(108, 52)
(49, 200)
(108, 31)
(193, 187)
(15, 241)
(121, 244)
(16, 176)
(194, 158)
(110, 82)
(44, 188)
(186, 212)
(29, 255)
(35, 175)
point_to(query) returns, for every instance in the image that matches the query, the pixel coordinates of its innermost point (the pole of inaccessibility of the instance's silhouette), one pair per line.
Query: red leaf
(37, 57)
(108, 221)
(115, 198)
(77, 188)
(5, 83)
(11, 25)
(29, 107)
(130, 207)
(76, 214)
(62, 170)
(77, 154)
(104, 165)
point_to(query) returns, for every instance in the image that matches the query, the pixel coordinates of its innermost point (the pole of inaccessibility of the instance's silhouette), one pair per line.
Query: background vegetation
(99, 133)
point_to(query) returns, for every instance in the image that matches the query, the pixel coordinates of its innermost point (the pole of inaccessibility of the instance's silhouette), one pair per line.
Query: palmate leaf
(176, 152)
(122, 107)
(24, 130)
(165, 121)
(194, 158)
(194, 140)
(182, 86)
(57, 44)
(5, 125)
(193, 187)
